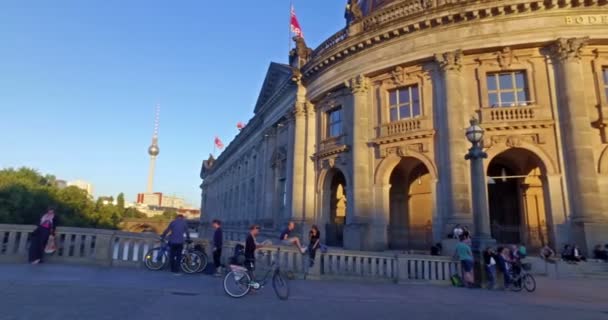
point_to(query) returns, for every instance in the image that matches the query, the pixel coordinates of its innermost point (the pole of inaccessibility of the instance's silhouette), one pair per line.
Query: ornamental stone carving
(353, 13)
(358, 84)
(570, 49)
(398, 76)
(450, 61)
(299, 109)
(505, 57)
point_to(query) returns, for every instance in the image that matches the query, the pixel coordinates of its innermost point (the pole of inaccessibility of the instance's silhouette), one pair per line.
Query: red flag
(295, 25)
(240, 125)
(218, 143)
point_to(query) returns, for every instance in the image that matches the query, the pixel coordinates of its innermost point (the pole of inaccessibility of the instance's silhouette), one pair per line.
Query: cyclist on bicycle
(176, 231)
(250, 246)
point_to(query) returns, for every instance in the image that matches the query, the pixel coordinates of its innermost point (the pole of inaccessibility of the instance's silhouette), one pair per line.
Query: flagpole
(289, 28)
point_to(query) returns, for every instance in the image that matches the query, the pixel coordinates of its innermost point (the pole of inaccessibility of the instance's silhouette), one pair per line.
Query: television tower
(153, 151)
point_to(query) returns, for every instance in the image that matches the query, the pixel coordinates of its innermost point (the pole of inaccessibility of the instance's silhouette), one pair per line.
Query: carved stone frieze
(514, 141)
(404, 150)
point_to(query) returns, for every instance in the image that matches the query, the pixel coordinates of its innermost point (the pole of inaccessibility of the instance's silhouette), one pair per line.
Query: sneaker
(304, 250)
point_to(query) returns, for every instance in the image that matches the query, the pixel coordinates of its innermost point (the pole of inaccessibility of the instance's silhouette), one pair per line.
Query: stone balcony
(405, 130)
(526, 115)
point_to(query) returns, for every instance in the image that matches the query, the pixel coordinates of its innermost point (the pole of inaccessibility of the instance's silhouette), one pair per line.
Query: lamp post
(481, 215)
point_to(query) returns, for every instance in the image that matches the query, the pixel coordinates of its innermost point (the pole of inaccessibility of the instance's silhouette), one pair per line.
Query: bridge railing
(124, 249)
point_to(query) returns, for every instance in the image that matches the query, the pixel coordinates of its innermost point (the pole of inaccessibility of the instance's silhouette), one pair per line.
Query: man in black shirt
(218, 242)
(250, 246)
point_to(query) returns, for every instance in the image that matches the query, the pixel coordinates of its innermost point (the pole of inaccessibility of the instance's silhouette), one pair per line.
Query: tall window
(605, 71)
(507, 89)
(334, 123)
(404, 103)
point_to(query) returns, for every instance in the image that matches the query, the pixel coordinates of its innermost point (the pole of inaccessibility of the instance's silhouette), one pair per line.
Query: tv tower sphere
(153, 150)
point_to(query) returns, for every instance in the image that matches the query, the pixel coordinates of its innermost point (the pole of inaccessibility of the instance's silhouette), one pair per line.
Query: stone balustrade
(508, 114)
(402, 127)
(123, 249)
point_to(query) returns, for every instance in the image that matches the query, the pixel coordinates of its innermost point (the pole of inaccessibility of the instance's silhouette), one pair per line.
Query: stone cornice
(330, 152)
(414, 16)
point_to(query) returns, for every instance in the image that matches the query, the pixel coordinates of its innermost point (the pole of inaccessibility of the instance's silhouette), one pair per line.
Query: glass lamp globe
(474, 133)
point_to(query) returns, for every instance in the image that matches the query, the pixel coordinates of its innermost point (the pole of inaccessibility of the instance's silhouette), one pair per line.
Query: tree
(170, 214)
(25, 195)
(120, 202)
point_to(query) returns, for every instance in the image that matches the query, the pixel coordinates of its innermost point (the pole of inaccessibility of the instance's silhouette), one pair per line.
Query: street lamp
(481, 215)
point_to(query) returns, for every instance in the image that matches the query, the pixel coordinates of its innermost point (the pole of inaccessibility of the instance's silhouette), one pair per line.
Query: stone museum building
(364, 135)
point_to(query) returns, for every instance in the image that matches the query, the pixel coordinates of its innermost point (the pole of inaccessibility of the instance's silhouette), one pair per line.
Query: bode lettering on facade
(587, 19)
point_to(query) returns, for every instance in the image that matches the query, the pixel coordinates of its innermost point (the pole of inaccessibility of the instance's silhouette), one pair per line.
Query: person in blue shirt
(465, 255)
(178, 234)
(218, 242)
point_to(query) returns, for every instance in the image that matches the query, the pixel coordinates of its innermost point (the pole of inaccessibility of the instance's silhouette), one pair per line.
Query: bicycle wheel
(155, 259)
(191, 262)
(280, 285)
(516, 283)
(529, 283)
(204, 261)
(236, 284)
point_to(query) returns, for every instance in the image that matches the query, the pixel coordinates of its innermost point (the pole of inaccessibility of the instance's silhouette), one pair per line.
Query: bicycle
(241, 278)
(523, 279)
(192, 260)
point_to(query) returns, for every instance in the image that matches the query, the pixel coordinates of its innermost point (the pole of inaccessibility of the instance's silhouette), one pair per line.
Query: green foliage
(170, 214)
(25, 195)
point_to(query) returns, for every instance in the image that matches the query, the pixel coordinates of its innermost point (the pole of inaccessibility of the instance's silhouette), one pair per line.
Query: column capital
(310, 109)
(569, 49)
(449, 61)
(358, 84)
(299, 109)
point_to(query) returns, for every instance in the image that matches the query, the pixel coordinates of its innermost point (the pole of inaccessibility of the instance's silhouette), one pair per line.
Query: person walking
(176, 231)
(314, 243)
(465, 255)
(41, 235)
(218, 242)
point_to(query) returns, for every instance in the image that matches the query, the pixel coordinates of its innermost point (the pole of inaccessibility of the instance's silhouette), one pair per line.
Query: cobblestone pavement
(52, 292)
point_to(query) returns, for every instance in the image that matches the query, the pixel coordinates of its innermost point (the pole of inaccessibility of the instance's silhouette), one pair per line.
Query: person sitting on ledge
(547, 254)
(287, 240)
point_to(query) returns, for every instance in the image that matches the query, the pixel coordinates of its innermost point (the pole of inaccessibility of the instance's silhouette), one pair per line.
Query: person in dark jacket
(489, 260)
(218, 242)
(176, 231)
(41, 235)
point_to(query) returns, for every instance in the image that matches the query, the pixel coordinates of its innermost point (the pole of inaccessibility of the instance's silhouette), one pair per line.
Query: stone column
(296, 176)
(360, 231)
(309, 166)
(451, 120)
(579, 162)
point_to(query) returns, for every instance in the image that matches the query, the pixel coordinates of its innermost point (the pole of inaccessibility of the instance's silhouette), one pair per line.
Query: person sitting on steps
(287, 240)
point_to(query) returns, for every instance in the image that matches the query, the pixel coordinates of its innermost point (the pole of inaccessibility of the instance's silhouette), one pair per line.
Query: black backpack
(238, 257)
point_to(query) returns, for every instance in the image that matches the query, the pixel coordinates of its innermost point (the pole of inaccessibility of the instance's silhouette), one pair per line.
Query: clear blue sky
(79, 81)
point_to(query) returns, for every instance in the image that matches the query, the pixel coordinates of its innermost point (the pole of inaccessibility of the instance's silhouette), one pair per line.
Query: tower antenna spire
(153, 150)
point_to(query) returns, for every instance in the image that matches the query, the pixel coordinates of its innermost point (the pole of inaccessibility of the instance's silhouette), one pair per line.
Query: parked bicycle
(238, 282)
(192, 260)
(523, 279)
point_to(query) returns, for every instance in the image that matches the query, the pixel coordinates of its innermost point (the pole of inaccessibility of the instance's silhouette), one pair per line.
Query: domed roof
(369, 6)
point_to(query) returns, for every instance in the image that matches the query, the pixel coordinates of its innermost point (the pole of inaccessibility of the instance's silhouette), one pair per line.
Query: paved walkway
(62, 292)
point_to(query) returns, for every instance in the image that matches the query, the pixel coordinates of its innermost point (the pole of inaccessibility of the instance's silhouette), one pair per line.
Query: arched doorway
(410, 206)
(335, 191)
(516, 194)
